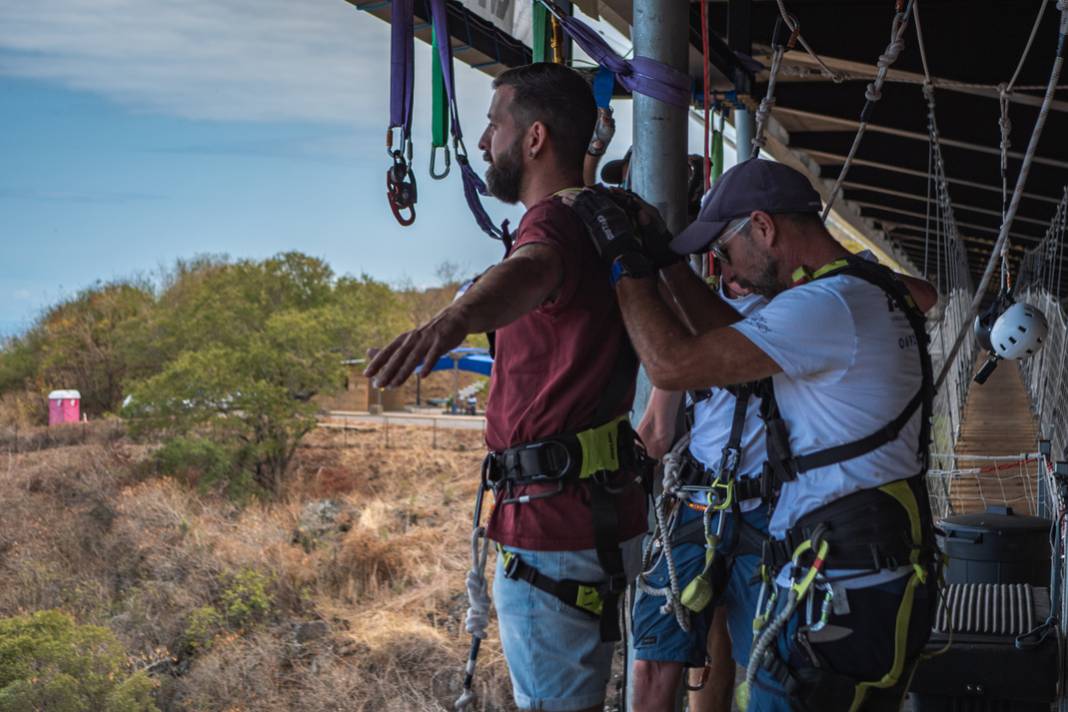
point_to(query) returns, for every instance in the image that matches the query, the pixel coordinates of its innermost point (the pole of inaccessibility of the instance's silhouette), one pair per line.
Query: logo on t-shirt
(759, 323)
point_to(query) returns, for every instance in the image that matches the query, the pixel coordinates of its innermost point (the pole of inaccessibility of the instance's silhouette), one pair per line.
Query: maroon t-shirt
(551, 367)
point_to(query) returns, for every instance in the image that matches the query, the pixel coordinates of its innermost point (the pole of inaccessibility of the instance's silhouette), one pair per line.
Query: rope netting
(1039, 284)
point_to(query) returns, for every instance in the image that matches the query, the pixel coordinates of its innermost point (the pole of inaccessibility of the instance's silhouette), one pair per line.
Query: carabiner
(401, 190)
(433, 156)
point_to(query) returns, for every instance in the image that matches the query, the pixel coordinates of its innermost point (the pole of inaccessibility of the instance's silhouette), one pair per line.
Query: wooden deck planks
(997, 420)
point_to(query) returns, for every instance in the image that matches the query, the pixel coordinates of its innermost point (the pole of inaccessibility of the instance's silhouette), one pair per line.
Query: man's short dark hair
(558, 97)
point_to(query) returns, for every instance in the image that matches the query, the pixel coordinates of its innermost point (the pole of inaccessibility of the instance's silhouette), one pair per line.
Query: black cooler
(1003, 655)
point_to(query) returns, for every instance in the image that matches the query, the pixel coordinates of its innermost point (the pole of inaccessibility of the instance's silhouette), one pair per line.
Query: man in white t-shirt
(844, 347)
(662, 648)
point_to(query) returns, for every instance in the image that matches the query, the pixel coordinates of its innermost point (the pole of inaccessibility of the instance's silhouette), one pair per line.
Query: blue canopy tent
(470, 359)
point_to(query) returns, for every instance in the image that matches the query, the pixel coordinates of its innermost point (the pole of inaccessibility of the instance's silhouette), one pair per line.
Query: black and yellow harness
(873, 530)
(608, 459)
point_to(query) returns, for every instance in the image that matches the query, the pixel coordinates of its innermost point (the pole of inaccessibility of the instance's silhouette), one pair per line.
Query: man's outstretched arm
(529, 277)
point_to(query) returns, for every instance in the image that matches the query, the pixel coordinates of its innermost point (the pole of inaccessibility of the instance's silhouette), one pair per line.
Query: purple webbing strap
(641, 74)
(473, 185)
(402, 65)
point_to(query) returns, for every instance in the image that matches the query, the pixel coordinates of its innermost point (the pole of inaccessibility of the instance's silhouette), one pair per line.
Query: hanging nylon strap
(472, 183)
(439, 119)
(539, 23)
(400, 181)
(640, 74)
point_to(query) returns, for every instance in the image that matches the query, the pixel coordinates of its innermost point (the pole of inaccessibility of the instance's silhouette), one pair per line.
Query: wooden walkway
(997, 420)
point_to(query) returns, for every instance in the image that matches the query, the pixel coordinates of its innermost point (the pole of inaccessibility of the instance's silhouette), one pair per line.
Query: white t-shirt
(850, 365)
(713, 416)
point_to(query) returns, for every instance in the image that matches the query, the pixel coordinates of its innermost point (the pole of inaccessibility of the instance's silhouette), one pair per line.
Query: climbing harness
(400, 179)
(477, 595)
(608, 459)
(638, 74)
(877, 529)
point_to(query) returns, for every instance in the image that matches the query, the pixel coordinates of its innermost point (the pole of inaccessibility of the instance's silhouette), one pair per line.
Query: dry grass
(83, 529)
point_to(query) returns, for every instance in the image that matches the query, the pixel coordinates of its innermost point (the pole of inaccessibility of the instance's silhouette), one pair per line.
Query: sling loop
(439, 122)
(400, 180)
(641, 74)
(539, 22)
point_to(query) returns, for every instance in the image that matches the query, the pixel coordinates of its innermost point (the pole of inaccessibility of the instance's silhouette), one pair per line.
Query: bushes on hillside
(48, 662)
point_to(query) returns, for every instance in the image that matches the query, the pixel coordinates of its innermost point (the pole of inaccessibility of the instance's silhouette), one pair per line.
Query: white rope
(872, 93)
(477, 620)
(1014, 204)
(1030, 41)
(835, 77)
(672, 470)
(767, 103)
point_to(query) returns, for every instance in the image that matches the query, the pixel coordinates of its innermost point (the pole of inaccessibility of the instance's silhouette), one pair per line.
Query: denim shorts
(555, 655)
(658, 637)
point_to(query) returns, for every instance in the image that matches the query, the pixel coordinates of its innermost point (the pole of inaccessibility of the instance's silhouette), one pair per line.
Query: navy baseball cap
(755, 184)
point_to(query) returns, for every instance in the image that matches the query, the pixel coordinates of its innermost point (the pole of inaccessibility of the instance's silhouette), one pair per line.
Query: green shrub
(204, 624)
(48, 662)
(208, 465)
(245, 600)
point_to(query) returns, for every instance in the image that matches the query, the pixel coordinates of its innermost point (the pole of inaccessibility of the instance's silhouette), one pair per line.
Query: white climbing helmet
(1019, 332)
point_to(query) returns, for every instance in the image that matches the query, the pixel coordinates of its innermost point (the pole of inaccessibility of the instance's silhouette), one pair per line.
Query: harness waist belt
(605, 448)
(867, 530)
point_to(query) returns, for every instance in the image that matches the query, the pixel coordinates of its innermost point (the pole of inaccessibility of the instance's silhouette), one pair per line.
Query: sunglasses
(718, 244)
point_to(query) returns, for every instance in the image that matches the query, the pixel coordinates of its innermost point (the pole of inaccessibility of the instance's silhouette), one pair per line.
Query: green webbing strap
(539, 25)
(717, 155)
(439, 123)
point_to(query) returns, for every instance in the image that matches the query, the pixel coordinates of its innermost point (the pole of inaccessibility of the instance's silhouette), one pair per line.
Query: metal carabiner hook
(433, 157)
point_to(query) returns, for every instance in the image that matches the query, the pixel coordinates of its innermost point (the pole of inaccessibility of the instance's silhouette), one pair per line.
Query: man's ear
(762, 229)
(536, 139)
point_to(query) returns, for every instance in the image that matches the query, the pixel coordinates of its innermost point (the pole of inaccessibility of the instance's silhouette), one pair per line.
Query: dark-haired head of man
(541, 118)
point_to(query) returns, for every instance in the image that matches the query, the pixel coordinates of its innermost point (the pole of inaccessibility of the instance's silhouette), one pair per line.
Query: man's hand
(611, 229)
(652, 231)
(393, 365)
(603, 132)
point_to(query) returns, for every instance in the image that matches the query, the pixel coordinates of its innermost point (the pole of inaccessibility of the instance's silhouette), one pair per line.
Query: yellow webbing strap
(901, 491)
(600, 448)
(901, 634)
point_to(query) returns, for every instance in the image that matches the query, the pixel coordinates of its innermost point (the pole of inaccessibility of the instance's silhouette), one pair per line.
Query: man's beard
(767, 282)
(505, 174)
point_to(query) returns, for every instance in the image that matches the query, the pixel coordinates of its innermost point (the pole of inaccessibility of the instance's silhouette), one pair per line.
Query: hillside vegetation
(199, 544)
(344, 592)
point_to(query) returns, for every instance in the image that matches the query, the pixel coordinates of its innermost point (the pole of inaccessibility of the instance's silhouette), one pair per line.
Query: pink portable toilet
(64, 407)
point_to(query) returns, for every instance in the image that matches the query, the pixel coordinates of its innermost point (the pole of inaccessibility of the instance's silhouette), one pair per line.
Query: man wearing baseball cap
(839, 358)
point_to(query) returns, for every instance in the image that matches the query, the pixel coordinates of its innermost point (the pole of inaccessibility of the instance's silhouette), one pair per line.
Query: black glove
(612, 230)
(652, 232)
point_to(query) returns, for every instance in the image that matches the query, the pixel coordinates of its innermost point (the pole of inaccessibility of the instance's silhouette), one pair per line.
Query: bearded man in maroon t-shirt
(569, 506)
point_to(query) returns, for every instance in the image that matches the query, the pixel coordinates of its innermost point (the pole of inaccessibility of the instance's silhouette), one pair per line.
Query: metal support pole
(659, 170)
(740, 39)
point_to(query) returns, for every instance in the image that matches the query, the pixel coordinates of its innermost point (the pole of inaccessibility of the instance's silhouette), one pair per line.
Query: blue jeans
(555, 655)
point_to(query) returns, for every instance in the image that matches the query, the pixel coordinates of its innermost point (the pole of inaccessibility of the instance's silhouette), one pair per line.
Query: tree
(48, 662)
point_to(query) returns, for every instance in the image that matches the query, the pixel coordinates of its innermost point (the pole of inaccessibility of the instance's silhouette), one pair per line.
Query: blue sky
(133, 133)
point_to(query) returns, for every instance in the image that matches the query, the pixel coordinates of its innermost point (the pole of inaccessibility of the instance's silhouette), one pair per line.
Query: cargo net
(972, 483)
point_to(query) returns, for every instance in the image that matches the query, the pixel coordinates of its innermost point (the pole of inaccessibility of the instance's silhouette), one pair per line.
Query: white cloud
(271, 60)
